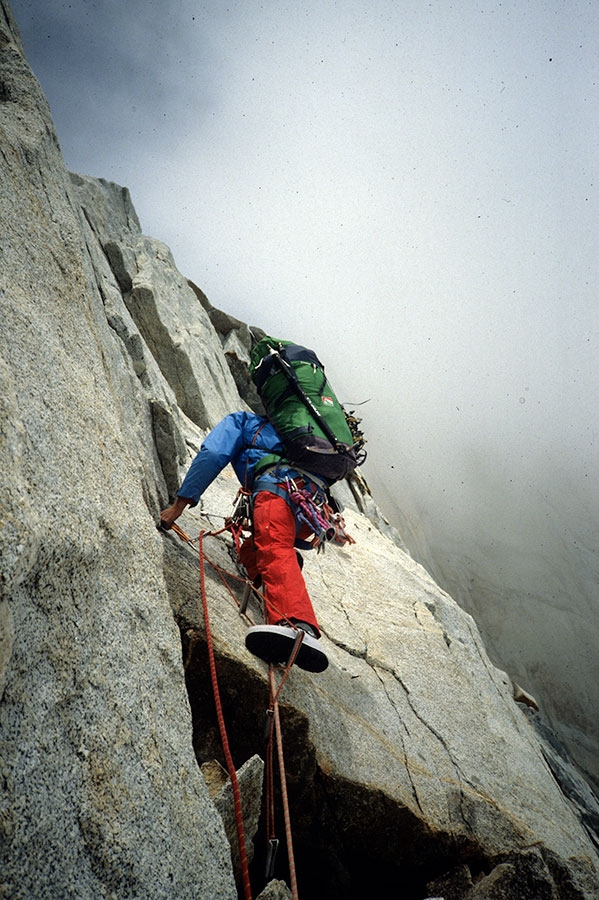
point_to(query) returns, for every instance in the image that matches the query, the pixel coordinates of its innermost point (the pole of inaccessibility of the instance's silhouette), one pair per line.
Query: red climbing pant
(270, 553)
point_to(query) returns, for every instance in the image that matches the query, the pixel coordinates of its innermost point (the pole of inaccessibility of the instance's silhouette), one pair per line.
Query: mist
(411, 190)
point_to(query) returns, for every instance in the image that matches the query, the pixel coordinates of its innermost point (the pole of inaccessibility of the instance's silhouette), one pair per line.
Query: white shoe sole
(274, 643)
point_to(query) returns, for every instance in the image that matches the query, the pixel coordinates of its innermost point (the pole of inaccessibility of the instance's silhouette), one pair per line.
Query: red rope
(275, 725)
(247, 890)
(286, 815)
(270, 802)
(269, 766)
(224, 575)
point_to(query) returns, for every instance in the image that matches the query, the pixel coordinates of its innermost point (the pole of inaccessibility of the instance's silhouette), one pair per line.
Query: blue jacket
(234, 440)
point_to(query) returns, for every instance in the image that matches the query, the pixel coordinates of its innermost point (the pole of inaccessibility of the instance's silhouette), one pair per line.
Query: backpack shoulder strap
(251, 446)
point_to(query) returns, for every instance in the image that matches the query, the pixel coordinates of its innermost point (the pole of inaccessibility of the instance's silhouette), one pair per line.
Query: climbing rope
(274, 722)
(247, 889)
(273, 726)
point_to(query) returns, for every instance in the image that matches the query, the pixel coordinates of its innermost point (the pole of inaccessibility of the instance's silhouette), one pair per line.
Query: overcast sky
(410, 188)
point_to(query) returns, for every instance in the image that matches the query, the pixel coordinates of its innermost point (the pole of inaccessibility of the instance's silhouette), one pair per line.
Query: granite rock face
(410, 766)
(101, 792)
(409, 754)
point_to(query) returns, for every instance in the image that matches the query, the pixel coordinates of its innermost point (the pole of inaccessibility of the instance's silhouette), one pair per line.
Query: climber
(248, 441)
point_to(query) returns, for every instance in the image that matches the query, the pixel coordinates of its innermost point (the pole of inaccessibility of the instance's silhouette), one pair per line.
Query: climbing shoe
(274, 644)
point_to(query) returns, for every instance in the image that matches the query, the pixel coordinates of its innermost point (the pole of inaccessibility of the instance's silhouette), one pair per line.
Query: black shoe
(274, 644)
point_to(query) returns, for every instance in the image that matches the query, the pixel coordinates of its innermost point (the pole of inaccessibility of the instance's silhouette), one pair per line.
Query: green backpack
(317, 433)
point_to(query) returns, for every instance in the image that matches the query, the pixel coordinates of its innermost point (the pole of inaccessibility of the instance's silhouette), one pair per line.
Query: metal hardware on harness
(242, 514)
(241, 520)
(311, 512)
(245, 599)
(271, 855)
(268, 724)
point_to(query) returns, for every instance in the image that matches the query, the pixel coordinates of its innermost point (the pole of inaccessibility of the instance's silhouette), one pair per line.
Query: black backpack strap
(247, 462)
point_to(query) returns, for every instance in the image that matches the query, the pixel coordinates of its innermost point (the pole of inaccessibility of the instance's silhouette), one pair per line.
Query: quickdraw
(312, 510)
(241, 520)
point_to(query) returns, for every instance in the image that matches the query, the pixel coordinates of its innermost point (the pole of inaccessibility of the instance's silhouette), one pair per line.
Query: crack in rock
(403, 746)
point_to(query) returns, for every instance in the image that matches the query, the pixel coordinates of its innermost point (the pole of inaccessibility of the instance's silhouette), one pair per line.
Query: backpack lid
(262, 357)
